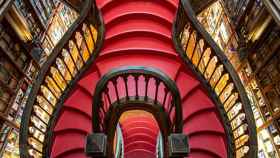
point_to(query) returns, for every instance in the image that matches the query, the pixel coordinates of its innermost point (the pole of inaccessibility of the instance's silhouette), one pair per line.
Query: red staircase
(140, 136)
(138, 33)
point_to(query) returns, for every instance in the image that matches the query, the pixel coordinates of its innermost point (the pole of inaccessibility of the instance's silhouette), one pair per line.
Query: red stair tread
(132, 124)
(140, 130)
(189, 112)
(139, 137)
(137, 118)
(149, 40)
(136, 10)
(211, 143)
(139, 145)
(80, 100)
(83, 121)
(138, 23)
(140, 154)
(199, 123)
(120, 7)
(89, 82)
(186, 83)
(66, 142)
(196, 101)
(199, 97)
(161, 62)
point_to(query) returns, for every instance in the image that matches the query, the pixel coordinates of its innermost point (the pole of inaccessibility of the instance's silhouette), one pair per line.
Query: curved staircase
(139, 33)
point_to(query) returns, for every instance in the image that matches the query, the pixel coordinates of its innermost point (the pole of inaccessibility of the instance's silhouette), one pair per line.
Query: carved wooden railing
(136, 88)
(74, 53)
(199, 52)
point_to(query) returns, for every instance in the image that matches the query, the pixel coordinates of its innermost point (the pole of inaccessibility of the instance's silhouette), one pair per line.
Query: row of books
(12, 49)
(17, 71)
(20, 71)
(9, 142)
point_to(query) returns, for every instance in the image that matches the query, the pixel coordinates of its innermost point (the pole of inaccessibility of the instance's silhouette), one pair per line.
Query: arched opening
(134, 88)
(137, 134)
(118, 113)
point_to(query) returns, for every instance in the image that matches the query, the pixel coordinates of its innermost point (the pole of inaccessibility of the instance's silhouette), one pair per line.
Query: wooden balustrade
(136, 88)
(198, 50)
(74, 53)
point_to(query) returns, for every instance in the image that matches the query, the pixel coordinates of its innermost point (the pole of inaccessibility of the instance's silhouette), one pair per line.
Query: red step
(140, 153)
(140, 136)
(140, 145)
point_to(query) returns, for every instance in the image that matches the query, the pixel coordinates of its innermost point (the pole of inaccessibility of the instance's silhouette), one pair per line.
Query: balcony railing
(73, 54)
(136, 88)
(199, 52)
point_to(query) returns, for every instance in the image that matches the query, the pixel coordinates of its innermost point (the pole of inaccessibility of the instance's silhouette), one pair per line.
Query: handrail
(274, 8)
(70, 58)
(120, 144)
(4, 6)
(200, 52)
(136, 73)
(159, 146)
(142, 89)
